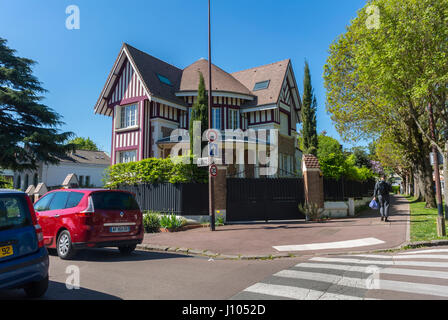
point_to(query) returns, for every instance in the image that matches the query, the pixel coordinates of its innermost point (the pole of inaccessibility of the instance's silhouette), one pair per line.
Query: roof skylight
(164, 80)
(262, 85)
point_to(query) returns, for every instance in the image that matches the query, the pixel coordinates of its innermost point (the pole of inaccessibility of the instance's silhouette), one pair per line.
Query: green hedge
(155, 170)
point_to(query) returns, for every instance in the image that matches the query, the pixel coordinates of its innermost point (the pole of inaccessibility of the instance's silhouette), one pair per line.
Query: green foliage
(309, 122)
(219, 220)
(84, 144)
(335, 164)
(151, 222)
(396, 189)
(311, 211)
(5, 183)
(28, 128)
(172, 222)
(199, 112)
(154, 170)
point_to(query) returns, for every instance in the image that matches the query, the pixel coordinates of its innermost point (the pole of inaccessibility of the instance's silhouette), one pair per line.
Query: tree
(309, 122)
(28, 128)
(361, 157)
(380, 80)
(199, 112)
(84, 144)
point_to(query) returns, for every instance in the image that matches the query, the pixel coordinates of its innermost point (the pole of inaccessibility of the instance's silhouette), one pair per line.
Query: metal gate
(264, 199)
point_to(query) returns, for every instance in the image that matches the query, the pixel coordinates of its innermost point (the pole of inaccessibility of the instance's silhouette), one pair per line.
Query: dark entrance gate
(264, 199)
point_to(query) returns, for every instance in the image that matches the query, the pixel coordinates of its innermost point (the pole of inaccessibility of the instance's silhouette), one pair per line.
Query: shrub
(151, 222)
(311, 211)
(396, 189)
(172, 222)
(219, 220)
(153, 170)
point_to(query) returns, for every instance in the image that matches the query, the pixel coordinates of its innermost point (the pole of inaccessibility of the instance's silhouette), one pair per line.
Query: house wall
(55, 175)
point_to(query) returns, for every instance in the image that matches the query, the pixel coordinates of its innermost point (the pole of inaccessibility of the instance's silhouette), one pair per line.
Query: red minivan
(89, 218)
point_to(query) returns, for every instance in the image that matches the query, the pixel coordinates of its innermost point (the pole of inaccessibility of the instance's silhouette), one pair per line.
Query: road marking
(359, 283)
(384, 262)
(392, 271)
(425, 251)
(418, 256)
(331, 245)
(296, 293)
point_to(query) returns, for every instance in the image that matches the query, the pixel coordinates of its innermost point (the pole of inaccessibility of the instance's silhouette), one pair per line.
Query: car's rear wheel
(127, 249)
(64, 246)
(37, 289)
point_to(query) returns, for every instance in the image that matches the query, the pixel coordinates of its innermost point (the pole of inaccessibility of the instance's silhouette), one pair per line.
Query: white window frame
(127, 156)
(128, 116)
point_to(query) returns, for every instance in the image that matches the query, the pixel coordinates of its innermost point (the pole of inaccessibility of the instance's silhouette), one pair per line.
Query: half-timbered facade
(148, 98)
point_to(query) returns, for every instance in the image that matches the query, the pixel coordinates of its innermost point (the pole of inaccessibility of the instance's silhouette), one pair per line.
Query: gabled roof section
(221, 80)
(86, 157)
(274, 72)
(147, 68)
(150, 67)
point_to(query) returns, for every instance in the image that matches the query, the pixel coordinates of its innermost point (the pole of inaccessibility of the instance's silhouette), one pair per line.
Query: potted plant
(312, 212)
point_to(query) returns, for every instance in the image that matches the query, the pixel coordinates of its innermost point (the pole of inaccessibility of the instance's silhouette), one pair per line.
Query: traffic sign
(213, 150)
(212, 135)
(213, 170)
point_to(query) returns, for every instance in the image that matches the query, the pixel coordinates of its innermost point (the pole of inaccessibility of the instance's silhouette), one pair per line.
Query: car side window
(59, 201)
(73, 199)
(43, 203)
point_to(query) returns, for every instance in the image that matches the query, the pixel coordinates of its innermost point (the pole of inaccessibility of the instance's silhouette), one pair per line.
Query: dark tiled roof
(311, 162)
(149, 66)
(87, 157)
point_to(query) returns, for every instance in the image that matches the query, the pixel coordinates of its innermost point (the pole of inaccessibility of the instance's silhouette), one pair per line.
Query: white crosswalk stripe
(357, 277)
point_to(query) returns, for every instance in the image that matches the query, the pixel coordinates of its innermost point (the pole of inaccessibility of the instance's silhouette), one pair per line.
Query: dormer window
(164, 79)
(262, 85)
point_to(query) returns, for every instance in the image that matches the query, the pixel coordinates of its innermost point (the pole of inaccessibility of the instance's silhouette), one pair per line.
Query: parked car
(24, 259)
(73, 219)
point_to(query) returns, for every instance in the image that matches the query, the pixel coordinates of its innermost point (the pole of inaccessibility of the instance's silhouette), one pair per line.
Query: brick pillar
(220, 191)
(313, 180)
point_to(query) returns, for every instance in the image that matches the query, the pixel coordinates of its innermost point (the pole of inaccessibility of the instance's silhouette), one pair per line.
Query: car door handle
(56, 215)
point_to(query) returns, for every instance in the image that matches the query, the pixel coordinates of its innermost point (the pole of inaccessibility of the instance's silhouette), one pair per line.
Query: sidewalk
(258, 240)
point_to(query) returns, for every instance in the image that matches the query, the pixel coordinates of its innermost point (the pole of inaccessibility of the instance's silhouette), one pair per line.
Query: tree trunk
(445, 177)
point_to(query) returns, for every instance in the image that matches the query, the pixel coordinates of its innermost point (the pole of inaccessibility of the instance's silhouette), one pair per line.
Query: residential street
(105, 275)
(410, 275)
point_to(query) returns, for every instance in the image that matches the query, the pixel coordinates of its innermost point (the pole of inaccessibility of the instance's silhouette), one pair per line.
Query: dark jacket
(376, 192)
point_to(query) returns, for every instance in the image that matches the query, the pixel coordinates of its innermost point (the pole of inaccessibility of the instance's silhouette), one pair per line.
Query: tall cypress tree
(309, 121)
(28, 128)
(199, 111)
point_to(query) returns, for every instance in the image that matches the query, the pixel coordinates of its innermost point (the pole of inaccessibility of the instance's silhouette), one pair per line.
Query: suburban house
(148, 98)
(88, 166)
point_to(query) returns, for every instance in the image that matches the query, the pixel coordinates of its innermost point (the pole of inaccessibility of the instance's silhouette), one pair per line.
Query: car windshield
(14, 212)
(114, 201)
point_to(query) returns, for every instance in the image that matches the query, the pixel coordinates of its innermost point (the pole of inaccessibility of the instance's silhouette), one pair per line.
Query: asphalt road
(105, 274)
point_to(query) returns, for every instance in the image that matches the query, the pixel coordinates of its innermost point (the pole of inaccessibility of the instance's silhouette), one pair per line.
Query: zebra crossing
(421, 274)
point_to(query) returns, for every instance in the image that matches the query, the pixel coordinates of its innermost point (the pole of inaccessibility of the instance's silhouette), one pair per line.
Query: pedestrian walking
(382, 196)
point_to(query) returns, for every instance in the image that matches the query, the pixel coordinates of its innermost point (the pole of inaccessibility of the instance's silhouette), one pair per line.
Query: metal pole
(441, 231)
(210, 106)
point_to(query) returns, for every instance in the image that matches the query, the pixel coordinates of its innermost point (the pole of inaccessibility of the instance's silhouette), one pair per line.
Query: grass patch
(423, 222)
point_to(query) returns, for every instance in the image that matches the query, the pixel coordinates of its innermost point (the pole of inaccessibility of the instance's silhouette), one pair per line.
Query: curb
(219, 256)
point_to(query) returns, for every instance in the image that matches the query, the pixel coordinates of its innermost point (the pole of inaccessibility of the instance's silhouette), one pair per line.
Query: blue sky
(73, 64)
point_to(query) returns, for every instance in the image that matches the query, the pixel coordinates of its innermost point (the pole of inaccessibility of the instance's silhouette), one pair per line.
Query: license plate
(6, 251)
(121, 229)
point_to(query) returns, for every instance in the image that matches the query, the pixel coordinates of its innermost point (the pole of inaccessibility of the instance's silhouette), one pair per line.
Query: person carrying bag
(382, 196)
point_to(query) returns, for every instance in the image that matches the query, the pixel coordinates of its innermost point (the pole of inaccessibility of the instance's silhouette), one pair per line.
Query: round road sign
(213, 170)
(212, 135)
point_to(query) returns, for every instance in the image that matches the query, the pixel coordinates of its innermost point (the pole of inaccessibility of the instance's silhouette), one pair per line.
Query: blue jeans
(384, 203)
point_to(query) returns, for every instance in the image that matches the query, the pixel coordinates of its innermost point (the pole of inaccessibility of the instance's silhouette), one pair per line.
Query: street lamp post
(441, 231)
(210, 106)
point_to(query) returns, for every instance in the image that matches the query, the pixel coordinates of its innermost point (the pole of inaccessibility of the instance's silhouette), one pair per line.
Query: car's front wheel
(127, 249)
(37, 289)
(64, 246)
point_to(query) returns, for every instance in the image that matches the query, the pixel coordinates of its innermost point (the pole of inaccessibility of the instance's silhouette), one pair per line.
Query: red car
(89, 218)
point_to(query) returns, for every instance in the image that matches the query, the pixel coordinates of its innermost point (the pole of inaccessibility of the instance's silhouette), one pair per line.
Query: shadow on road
(58, 291)
(113, 255)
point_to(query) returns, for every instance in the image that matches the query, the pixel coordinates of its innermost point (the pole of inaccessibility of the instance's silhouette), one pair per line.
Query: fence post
(220, 189)
(313, 180)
